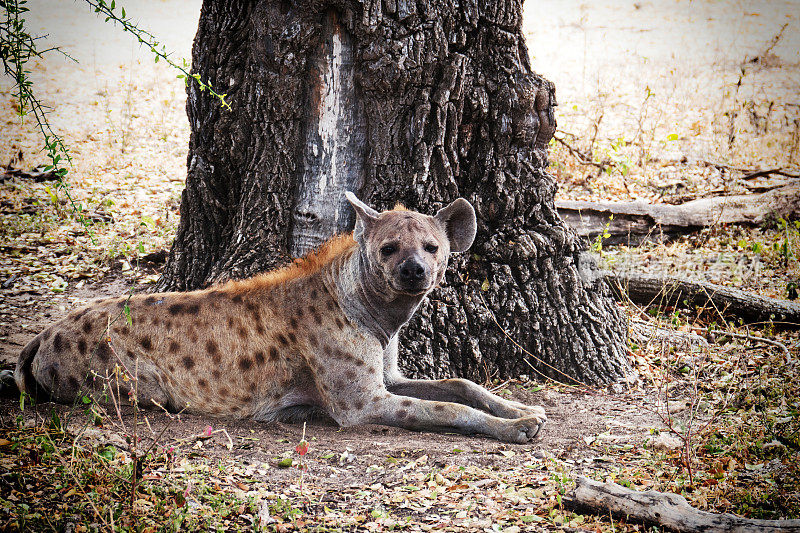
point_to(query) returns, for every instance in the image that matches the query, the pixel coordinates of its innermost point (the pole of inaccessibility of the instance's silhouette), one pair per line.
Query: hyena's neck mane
(302, 267)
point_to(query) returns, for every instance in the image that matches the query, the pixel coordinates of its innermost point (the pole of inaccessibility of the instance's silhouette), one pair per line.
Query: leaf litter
(718, 424)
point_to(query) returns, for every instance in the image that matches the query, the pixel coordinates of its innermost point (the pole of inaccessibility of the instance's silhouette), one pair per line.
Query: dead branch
(669, 291)
(36, 174)
(635, 222)
(745, 336)
(580, 156)
(748, 173)
(755, 188)
(769, 172)
(666, 509)
(768, 50)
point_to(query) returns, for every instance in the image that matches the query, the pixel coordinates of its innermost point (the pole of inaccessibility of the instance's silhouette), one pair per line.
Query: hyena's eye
(388, 249)
(431, 248)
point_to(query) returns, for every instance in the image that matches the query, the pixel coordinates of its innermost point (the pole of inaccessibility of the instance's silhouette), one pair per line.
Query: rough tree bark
(416, 101)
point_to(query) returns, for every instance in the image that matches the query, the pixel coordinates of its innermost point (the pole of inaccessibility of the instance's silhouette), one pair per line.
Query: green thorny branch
(17, 47)
(149, 40)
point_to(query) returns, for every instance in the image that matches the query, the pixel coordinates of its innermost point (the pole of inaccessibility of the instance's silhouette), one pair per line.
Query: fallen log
(37, 174)
(668, 291)
(666, 510)
(636, 222)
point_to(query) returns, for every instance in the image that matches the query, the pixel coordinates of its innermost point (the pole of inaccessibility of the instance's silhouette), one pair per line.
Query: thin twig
(580, 156)
(157, 49)
(772, 44)
(782, 347)
(78, 484)
(164, 429)
(499, 387)
(767, 172)
(748, 172)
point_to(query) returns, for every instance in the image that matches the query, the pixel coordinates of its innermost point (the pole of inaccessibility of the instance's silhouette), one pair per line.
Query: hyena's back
(235, 350)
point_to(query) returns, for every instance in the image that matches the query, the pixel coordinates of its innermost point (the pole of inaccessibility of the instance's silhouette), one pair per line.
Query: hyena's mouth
(413, 289)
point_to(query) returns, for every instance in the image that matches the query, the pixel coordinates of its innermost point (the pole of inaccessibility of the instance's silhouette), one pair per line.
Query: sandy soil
(687, 54)
(660, 67)
(572, 416)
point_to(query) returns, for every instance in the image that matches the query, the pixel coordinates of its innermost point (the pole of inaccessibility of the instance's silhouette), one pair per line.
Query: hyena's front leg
(427, 415)
(465, 392)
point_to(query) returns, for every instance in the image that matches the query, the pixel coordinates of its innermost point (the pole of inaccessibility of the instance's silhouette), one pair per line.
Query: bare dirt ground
(663, 101)
(573, 415)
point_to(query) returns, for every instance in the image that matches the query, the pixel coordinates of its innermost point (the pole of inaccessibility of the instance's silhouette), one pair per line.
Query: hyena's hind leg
(137, 378)
(295, 414)
(12, 382)
(23, 376)
(46, 372)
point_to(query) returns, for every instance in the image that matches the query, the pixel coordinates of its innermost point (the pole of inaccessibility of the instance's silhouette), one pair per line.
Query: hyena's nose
(411, 270)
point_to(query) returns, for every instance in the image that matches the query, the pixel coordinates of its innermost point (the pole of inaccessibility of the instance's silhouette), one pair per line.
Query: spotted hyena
(320, 334)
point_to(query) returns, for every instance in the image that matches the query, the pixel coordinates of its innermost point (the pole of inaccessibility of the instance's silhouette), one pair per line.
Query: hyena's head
(406, 252)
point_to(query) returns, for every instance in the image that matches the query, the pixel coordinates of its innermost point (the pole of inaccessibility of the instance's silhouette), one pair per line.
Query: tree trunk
(411, 101)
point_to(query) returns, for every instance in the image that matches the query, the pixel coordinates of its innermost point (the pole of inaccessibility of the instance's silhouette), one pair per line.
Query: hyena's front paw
(525, 429)
(521, 410)
(535, 410)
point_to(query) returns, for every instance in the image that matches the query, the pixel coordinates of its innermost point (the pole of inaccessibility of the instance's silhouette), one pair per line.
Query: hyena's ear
(365, 215)
(458, 221)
